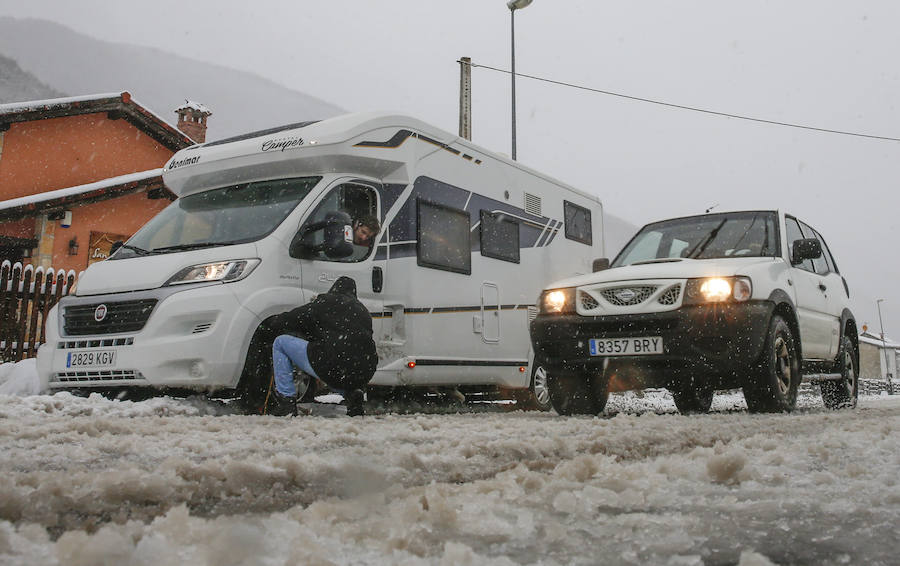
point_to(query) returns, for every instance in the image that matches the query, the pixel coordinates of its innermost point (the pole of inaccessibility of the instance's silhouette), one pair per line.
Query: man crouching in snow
(338, 348)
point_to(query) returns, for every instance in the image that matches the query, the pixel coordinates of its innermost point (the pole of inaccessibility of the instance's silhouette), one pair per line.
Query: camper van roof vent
(532, 204)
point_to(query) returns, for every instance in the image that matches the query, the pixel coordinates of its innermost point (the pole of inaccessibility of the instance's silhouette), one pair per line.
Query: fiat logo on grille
(100, 313)
(626, 295)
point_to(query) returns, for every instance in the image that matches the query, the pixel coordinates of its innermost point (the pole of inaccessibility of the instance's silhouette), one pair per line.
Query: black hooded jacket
(339, 330)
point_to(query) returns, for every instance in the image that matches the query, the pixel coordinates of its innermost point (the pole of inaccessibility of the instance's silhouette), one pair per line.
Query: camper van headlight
(224, 271)
(558, 301)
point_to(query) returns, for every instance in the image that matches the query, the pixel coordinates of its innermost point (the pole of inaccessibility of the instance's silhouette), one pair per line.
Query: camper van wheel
(578, 394)
(537, 396)
(256, 375)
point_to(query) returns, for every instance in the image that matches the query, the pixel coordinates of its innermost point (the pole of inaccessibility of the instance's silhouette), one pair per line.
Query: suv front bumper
(711, 341)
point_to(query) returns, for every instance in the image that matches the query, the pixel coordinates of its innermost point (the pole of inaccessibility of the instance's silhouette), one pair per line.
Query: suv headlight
(557, 301)
(224, 271)
(718, 290)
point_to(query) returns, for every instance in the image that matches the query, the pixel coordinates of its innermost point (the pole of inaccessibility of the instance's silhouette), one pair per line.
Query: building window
(443, 238)
(578, 223)
(499, 237)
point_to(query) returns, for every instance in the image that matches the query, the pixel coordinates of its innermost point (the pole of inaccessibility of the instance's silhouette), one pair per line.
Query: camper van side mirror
(336, 241)
(601, 264)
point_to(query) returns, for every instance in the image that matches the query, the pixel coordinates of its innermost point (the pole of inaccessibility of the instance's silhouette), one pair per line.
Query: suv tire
(578, 394)
(773, 388)
(843, 394)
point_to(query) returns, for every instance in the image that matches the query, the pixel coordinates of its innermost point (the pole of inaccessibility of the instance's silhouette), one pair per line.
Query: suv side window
(792, 230)
(832, 265)
(820, 263)
(357, 201)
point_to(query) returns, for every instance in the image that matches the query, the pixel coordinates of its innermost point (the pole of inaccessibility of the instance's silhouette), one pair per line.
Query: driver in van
(365, 228)
(338, 349)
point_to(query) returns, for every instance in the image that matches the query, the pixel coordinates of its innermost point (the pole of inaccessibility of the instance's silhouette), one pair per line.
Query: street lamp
(887, 365)
(514, 5)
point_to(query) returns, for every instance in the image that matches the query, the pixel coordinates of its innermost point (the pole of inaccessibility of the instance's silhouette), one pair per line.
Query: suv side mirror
(600, 264)
(337, 241)
(807, 248)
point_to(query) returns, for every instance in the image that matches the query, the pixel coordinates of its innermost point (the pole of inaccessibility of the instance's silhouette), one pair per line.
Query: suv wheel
(693, 399)
(578, 394)
(773, 388)
(844, 393)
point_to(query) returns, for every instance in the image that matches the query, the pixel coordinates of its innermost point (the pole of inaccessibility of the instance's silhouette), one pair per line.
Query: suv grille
(588, 302)
(124, 316)
(627, 296)
(670, 297)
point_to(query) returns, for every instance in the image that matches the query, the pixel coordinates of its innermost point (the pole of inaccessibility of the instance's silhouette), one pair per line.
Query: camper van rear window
(443, 238)
(578, 223)
(499, 237)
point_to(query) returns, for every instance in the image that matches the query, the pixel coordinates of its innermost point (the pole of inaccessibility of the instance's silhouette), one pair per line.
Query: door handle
(822, 287)
(377, 279)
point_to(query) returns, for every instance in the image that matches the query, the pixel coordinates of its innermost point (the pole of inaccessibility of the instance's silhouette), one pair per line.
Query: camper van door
(319, 270)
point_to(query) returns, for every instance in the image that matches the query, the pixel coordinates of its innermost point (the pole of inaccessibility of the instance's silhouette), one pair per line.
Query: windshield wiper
(702, 244)
(135, 249)
(194, 246)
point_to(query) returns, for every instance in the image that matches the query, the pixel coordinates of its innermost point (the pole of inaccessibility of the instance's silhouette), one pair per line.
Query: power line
(691, 108)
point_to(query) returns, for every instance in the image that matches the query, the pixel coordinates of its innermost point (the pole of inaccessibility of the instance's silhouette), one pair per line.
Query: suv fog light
(715, 289)
(196, 369)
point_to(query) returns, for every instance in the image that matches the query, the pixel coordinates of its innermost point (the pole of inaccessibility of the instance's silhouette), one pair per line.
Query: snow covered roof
(99, 190)
(875, 340)
(195, 106)
(117, 105)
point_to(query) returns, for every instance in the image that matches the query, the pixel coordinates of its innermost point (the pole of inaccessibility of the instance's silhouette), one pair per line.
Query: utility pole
(887, 364)
(514, 5)
(465, 98)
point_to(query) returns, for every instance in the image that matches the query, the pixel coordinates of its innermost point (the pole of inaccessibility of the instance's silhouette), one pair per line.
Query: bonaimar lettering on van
(183, 162)
(281, 144)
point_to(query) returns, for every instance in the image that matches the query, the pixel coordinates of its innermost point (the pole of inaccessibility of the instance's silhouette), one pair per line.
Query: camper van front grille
(532, 204)
(97, 375)
(115, 317)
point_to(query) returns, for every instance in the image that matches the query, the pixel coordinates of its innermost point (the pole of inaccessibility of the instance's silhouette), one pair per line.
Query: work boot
(283, 406)
(355, 401)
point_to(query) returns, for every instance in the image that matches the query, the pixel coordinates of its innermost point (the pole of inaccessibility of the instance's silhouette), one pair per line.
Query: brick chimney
(192, 120)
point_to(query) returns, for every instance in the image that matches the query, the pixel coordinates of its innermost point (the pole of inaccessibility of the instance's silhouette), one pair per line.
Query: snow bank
(20, 378)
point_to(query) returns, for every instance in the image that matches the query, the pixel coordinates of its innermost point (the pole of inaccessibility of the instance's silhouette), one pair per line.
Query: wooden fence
(26, 296)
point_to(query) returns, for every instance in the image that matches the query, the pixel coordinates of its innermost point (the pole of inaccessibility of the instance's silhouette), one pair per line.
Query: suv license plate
(626, 346)
(91, 358)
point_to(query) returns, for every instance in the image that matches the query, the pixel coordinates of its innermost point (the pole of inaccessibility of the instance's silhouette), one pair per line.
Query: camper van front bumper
(186, 341)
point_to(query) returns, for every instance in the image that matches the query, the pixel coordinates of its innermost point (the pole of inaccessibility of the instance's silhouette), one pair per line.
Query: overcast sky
(821, 63)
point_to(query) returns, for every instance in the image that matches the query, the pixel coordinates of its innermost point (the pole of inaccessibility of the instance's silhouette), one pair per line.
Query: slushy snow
(88, 481)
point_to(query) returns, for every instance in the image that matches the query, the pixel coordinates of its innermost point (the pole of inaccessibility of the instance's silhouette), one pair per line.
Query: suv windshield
(735, 234)
(230, 215)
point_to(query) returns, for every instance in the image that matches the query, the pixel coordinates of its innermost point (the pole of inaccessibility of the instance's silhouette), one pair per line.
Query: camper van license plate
(91, 358)
(626, 346)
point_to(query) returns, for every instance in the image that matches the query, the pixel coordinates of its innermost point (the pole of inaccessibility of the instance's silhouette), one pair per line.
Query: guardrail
(26, 296)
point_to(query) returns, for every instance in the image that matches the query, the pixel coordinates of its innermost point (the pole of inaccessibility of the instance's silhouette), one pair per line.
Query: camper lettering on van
(451, 267)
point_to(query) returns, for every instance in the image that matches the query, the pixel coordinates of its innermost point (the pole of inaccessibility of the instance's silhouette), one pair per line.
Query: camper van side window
(356, 200)
(499, 237)
(443, 238)
(578, 223)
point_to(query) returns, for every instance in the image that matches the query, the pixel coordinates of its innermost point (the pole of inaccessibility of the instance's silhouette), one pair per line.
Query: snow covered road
(164, 481)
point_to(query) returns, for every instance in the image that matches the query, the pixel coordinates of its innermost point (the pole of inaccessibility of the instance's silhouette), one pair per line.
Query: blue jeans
(285, 350)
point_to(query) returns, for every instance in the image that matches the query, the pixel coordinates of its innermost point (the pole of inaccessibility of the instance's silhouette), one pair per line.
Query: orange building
(77, 174)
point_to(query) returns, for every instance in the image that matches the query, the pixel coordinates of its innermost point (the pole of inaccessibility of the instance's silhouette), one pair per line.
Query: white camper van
(468, 240)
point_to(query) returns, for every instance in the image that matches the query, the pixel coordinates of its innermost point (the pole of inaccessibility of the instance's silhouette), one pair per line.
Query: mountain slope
(18, 86)
(77, 64)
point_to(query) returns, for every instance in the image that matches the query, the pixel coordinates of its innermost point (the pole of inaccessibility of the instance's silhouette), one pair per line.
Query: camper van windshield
(231, 215)
(737, 234)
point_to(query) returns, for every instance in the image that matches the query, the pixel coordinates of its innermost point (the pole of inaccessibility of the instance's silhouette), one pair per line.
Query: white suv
(719, 301)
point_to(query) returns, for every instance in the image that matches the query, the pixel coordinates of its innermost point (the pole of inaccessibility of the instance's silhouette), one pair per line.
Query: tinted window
(499, 237)
(820, 263)
(578, 223)
(443, 238)
(793, 234)
(832, 265)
